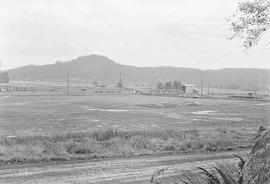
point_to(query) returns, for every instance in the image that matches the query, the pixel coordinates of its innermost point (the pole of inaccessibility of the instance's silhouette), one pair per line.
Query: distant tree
(179, 85)
(250, 21)
(160, 85)
(168, 86)
(175, 85)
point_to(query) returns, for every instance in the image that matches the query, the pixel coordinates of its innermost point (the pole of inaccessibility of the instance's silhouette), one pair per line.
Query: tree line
(170, 85)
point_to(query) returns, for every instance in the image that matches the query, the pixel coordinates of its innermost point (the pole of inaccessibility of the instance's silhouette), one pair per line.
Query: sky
(180, 33)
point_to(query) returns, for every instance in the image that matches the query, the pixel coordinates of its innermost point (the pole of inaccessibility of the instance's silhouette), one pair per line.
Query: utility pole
(202, 85)
(68, 81)
(120, 83)
(156, 81)
(256, 83)
(208, 84)
(120, 77)
(208, 89)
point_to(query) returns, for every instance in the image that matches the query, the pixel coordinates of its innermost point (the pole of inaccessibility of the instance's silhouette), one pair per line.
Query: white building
(189, 89)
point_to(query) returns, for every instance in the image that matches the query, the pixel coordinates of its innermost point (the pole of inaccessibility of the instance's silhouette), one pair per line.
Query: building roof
(189, 85)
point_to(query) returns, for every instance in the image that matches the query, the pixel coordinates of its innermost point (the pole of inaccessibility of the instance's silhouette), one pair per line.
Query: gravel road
(109, 171)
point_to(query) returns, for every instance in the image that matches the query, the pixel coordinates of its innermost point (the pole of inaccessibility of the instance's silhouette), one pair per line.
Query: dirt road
(119, 170)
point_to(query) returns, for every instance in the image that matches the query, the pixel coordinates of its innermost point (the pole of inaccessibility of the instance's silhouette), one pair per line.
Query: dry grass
(254, 170)
(111, 143)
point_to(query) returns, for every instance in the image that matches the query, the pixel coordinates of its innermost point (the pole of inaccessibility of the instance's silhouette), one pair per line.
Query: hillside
(94, 67)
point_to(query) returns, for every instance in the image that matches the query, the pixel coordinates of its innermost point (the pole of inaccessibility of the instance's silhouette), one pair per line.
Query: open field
(49, 128)
(51, 115)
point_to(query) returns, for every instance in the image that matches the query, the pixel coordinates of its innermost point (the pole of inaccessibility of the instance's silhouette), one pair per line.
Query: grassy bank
(254, 169)
(111, 143)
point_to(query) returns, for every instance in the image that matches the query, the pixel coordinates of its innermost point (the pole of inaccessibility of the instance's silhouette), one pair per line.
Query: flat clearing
(51, 115)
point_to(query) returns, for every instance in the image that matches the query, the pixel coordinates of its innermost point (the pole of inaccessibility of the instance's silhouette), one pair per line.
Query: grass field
(53, 115)
(48, 128)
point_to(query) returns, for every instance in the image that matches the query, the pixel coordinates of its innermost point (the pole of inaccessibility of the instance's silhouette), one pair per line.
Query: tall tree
(168, 86)
(175, 85)
(250, 21)
(179, 86)
(160, 86)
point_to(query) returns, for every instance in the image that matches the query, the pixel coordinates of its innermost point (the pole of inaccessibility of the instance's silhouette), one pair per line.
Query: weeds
(156, 174)
(110, 143)
(254, 170)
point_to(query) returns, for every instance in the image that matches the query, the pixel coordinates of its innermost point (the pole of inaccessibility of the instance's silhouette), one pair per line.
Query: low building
(250, 95)
(189, 89)
(143, 91)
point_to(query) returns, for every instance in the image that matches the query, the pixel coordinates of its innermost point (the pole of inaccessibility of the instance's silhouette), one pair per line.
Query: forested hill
(100, 68)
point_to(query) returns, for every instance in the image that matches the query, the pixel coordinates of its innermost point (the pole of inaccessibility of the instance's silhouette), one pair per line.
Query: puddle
(20, 103)
(104, 110)
(263, 104)
(172, 115)
(204, 112)
(228, 119)
(86, 118)
(11, 136)
(5, 96)
(108, 110)
(175, 116)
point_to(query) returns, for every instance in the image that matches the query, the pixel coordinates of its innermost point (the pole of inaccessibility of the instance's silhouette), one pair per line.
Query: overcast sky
(183, 33)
